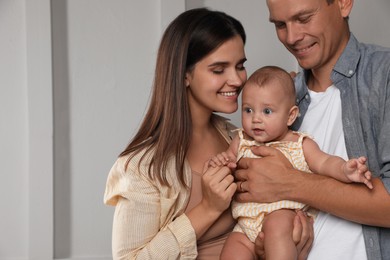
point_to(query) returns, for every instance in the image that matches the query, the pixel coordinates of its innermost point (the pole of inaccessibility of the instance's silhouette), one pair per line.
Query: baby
(268, 110)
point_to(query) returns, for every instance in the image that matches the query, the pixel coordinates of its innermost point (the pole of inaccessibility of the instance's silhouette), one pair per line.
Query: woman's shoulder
(135, 161)
(225, 126)
(128, 173)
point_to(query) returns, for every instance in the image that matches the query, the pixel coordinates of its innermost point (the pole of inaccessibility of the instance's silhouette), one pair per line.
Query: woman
(167, 207)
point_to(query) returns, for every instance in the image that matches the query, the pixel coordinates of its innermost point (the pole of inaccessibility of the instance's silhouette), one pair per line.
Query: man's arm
(272, 178)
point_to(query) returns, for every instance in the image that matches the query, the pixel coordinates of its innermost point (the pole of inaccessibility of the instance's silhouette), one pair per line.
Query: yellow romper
(250, 215)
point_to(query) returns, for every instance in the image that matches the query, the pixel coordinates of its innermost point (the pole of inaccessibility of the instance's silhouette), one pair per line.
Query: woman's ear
(345, 7)
(187, 79)
(292, 115)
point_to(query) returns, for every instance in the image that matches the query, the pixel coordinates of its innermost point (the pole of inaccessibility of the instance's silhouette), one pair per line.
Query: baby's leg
(278, 241)
(238, 246)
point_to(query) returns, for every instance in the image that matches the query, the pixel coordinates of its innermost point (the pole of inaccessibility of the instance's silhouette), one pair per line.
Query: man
(344, 98)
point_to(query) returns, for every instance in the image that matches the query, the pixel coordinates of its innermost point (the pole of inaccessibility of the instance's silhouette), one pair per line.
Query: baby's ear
(292, 115)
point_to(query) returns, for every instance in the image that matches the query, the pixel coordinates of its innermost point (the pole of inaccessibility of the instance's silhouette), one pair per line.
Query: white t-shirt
(334, 238)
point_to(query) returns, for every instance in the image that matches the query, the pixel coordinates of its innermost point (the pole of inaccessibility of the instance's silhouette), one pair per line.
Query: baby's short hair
(270, 74)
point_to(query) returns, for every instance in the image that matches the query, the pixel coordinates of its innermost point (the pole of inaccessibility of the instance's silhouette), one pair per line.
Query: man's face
(314, 31)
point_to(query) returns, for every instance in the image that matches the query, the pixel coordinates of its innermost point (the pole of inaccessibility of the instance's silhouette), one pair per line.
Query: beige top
(149, 219)
(211, 243)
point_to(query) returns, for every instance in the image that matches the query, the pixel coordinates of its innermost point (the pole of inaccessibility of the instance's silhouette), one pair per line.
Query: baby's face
(265, 111)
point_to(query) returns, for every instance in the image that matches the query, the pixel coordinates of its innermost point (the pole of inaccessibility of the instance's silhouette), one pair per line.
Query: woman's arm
(136, 232)
(218, 188)
(147, 224)
(272, 178)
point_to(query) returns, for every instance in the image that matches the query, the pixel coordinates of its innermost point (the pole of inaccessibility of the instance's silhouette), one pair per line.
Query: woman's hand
(303, 236)
(218, 188)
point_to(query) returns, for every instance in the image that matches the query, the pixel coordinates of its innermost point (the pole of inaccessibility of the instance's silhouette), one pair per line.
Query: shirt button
(371, 242)
(307, 96)
(350, 72)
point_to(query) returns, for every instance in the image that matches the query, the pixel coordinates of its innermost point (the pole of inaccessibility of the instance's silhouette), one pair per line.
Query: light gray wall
(13, 131)
(103, 64)
(75, 78)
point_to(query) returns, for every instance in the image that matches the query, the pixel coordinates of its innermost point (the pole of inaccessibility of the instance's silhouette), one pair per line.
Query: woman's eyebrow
(225, 63)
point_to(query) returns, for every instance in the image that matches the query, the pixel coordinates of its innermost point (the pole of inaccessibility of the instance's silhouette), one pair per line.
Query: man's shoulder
(374, 54)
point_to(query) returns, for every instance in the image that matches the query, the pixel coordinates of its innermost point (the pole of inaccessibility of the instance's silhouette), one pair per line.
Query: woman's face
(216, 81)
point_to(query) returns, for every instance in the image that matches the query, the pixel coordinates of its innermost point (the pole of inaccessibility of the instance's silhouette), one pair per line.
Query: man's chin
(305, 65)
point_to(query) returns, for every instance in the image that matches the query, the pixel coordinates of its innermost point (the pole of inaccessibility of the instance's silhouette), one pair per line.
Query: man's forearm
(354, 202)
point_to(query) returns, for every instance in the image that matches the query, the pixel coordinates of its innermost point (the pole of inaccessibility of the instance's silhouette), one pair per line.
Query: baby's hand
(356, 170)
(222, 159)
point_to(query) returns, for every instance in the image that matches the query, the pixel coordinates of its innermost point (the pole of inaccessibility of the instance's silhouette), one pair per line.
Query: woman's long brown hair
(166, 128)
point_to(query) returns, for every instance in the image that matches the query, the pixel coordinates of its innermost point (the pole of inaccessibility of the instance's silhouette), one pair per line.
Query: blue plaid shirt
(362, 74)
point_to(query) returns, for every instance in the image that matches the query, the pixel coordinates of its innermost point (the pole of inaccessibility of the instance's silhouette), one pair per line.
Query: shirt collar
(346, 66)
(348, 62)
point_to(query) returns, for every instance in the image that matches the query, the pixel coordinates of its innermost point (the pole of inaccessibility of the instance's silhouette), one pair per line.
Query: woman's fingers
(218, 186)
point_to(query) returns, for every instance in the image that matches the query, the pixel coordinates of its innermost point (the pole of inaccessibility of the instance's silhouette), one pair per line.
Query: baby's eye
(267, 111)
(248, 110)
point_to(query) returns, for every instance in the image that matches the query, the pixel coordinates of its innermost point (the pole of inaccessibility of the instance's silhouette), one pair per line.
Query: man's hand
(303, 236)
(265, 179)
